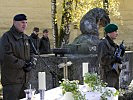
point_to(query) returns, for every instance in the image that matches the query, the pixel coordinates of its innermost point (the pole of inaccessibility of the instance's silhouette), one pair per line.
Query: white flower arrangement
(73, 87)
(93, 81)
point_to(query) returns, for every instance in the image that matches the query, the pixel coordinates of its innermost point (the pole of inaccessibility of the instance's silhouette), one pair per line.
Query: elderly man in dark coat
(16, 59)
(106, 50)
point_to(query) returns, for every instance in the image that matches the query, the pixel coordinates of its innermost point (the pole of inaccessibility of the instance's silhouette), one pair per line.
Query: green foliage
(93, 81)
(80, 7)
(108, 93)
(69, 86)
(105, 94)
(72, 86)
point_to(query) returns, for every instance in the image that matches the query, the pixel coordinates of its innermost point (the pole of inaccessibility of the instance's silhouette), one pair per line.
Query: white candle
(84, 68)
(42, 80)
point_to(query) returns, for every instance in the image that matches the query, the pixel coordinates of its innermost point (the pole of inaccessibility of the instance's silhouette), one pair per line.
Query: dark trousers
(111, 78)
(13, 92)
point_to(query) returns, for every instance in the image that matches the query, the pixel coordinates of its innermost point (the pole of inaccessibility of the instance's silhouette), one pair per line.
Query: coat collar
(34, 35)
(16, 34)
(111, 42)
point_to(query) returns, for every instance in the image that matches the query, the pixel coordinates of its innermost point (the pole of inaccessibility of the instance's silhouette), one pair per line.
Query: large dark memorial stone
(92, 20)
(87, 41)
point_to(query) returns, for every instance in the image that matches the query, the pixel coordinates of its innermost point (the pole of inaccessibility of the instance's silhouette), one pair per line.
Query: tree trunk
(54, 23)
(65, 22)
(105, 6)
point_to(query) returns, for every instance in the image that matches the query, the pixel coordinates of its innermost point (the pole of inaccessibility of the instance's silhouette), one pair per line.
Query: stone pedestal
(75, 70)
(52, 62)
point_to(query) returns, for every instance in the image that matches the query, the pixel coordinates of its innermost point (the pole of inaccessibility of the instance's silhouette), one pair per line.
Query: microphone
(53, 73)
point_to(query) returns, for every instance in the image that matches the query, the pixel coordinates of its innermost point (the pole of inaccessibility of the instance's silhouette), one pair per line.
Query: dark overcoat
(15, 51)
(106, 50)
(44, 45)
(35, 40)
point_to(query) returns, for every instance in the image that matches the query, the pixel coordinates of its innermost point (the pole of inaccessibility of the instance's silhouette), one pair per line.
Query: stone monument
(87, 41)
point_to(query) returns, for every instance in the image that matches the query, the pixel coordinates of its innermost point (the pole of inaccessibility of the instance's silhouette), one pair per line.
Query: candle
(42, 80)
(84, 68)
(30, 86)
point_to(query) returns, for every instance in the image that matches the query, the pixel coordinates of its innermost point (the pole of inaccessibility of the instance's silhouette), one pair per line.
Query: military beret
(110, 28)
(20, 17)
